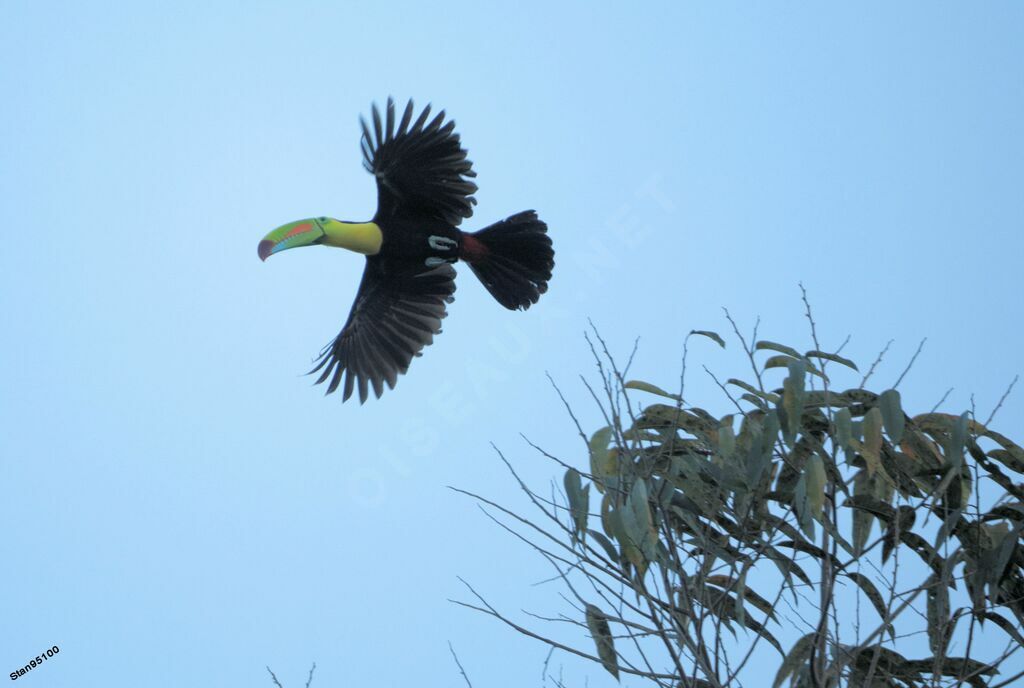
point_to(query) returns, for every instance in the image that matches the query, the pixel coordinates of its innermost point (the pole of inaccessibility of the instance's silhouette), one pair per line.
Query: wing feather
(397, 311)
(420, 169)
(406, 118)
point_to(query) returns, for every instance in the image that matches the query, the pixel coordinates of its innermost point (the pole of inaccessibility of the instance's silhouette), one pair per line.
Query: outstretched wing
(420, 166)
(397, 311)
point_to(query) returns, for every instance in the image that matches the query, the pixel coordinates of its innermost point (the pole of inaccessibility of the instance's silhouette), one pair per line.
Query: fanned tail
(513, 258)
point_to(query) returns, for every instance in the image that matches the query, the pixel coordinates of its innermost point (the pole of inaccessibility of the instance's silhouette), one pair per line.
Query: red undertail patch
(472, 249)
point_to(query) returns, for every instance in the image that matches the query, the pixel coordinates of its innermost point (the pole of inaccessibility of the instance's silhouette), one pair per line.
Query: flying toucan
(423, 193)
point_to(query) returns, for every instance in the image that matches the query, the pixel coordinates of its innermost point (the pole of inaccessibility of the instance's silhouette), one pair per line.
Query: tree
(890, 543)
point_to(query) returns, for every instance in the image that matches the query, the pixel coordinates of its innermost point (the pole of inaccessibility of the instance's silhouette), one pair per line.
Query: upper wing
(397, 311)
(419, 167)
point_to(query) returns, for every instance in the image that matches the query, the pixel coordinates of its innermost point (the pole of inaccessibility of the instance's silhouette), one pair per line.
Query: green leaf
(741, 596)
(1001, 554)
(809, 495)
(957, 440)
(803, 514)
(652, 389)
(862, 519)
(972, 669)
(844, 428)
(604, 463)
(710, 335)
(781, 348)
(756, 401)
(922, 548)
(1007, 627)
(1008, 459)
(832, 357)
(820, 399)
(663, 416)
(796, 658)
(815, 472)
(832, 530)
(613, 520)
(759, 440)
(729, 583)
(597, 622)
(726, 437)
(579, 502)
(767, 396)
(872, 447)
(1012, 455)
(793, 393)
(784, 361)
(606, 545)
(637, 523)
(787, 567)
(948, 525)
(937, 610)
(892, 414)
(779, 362)
(573, 484)
(760, 629)
(871, 592)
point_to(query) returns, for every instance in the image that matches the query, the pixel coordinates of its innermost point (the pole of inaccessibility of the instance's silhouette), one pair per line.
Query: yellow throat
(361, 237)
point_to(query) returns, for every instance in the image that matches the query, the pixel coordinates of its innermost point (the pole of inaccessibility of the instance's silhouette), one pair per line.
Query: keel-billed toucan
(423, 193)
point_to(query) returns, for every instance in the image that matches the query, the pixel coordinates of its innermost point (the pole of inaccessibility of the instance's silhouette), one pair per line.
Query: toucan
(423, 194)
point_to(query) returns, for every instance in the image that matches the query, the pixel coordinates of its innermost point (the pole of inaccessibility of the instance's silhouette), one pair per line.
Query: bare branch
(910, 364)
(459, 664)
(1001, 400)
(310, 679)
(878, 359)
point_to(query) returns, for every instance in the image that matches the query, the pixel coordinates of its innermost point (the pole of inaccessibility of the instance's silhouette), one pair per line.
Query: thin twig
(1001, 400)
(878, 359)
(568, 408)
(682, 373)
(459, 664)
(725, 390)
(810, 318)
(939, 403)
(747, 349)
(910, 364)
(310, 679)
(544, 668)
(488, 609)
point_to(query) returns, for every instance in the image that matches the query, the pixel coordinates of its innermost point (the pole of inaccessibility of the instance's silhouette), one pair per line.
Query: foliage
(870, 533)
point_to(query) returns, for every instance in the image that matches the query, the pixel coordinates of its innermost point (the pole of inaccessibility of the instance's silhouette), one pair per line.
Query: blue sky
(181, 506)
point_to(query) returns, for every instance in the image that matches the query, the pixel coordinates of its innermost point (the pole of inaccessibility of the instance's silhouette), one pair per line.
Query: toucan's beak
(291, 235)
(265, 249)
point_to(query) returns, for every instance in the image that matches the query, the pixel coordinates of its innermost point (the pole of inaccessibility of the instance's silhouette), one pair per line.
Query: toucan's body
(424, 193)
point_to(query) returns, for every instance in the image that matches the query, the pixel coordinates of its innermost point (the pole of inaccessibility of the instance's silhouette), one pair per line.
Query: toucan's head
(361, 237)
(293, 235)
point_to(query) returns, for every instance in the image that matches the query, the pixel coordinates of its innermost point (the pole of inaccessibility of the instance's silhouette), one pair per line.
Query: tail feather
(512, 258)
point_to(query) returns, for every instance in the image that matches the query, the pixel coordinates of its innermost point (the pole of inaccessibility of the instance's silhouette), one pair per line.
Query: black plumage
(424, 192)
(421, 169)
(397, 312)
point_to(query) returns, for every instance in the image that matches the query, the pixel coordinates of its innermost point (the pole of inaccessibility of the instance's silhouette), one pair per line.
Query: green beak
(292, 235)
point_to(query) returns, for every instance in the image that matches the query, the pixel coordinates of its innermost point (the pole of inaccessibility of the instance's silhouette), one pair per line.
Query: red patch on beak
(299, 229)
